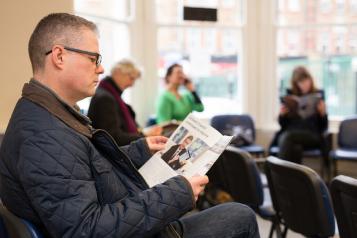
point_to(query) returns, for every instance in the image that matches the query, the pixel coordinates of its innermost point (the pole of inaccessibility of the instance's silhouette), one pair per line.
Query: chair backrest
(242, 178)
(344, 196)
(3, 232)
(16, 227)
(347, 133)
(226, 123)
(151, 121)
(300, 198)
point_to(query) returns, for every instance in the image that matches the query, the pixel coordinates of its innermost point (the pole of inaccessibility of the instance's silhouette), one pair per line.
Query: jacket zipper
(111, 140)
(176, 234)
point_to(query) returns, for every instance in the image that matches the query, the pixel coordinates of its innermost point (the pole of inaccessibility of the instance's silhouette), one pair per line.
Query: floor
(264, 228)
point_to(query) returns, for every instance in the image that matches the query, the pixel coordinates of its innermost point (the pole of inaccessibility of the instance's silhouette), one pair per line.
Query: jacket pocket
(109, 187)
(101, 166)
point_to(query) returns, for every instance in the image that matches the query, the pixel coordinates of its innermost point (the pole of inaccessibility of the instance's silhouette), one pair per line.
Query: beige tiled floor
(264, 228)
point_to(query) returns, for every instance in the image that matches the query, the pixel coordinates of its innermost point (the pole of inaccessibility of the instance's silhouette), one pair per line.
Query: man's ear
(58, 56)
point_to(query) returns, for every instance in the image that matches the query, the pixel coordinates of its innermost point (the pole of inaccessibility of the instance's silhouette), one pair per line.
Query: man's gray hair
(56, 28)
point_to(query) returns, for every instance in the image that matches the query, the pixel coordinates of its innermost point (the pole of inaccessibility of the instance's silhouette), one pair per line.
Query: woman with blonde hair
(108, 110)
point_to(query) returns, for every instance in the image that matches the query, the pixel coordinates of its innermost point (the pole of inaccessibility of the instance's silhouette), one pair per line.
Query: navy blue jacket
(74, 182)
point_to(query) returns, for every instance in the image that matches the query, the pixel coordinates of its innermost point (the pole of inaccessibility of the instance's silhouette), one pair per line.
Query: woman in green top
(173, 105)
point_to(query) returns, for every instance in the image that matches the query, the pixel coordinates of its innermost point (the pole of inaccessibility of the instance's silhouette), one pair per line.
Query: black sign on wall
(199, 14)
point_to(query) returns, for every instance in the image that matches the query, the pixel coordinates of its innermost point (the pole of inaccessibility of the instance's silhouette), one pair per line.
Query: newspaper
(191, 150)
(305, 106)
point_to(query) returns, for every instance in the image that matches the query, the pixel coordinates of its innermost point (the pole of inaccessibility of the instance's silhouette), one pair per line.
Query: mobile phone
(186, 81)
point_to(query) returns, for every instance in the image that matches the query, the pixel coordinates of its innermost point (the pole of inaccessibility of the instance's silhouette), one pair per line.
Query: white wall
(18, 19)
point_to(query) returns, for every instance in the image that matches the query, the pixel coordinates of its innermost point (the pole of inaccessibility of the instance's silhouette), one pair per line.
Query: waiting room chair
(300, 198)
(314, 153)
(243, 182)
(232, 124)
(151, 121)
(346, 142)
(344, 197)
(15, 227)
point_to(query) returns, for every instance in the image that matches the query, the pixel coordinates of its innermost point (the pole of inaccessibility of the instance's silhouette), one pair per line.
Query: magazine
(305, 106)
(191, 150)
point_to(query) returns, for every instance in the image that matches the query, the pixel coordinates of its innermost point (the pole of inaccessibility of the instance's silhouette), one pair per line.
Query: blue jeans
(228, 220)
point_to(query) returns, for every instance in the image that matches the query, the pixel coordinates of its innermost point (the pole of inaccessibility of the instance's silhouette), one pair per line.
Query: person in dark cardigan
(108, 110)
(299, 131)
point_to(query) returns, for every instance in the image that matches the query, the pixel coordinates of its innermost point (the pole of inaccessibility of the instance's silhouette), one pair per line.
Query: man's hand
(156, 143)
(198, 184)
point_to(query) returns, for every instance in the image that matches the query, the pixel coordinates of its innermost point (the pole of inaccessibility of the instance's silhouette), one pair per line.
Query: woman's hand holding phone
(189, 85)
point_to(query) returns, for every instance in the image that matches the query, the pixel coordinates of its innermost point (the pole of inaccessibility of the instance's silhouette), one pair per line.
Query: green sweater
(169, 107)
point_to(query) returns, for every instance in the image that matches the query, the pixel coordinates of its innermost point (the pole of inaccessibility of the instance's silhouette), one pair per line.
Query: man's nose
(100, 69)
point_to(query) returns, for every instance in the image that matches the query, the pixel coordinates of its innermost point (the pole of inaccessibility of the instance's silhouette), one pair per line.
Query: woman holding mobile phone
(171, 104)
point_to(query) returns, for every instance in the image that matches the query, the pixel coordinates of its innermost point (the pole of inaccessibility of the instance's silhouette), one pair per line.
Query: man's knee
(240, 212)
(244, 219)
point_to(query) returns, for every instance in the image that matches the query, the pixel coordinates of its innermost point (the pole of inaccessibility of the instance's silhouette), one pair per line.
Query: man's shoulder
(30, 118)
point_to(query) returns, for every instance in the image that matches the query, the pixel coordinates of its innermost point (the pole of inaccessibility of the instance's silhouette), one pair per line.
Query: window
(112, 18)
(209, 52)
(323, 38)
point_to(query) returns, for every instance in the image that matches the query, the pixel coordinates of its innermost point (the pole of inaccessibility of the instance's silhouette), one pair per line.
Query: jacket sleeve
(138, 151)
(323, 123)
(104, 114)
(56, 176)
(283, 121)
(196, 103)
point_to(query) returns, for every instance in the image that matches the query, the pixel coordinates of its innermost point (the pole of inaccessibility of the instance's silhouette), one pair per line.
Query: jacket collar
(115, 86)
(48, 99)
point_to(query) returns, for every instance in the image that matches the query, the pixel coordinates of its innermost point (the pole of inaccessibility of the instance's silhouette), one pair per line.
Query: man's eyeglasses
(97, 60)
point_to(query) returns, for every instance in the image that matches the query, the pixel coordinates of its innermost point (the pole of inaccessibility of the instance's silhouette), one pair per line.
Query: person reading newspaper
(191, 150)
(70, 180)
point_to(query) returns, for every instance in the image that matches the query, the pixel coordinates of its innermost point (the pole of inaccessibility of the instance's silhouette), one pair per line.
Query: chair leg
(276, 225)
(272, 228)
(334, 167)
(285, 232)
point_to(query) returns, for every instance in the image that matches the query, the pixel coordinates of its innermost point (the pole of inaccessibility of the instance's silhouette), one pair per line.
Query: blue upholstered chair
(344, 197)
(346, 141)
(243, 182)
(300, 198)
(12, 226)
(228, 125)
